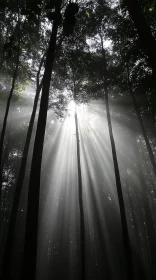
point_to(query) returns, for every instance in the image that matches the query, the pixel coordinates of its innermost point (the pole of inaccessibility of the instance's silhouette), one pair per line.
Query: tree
(34, 185)
(149, 148)
(16, 51)
(82, 220)
(126, 240)
(143, 30)
(9, 100)
(129, 54)
(6, 269)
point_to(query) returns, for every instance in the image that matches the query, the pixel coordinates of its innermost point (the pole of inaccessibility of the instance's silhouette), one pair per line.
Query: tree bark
(149, 222)
(148, 145)
(82, 219)
(126, 240)
(6, 267)
(30, 246)
(1, 61)
(6, 114)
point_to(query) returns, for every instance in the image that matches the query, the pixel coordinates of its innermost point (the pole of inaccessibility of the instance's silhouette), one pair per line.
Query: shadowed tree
(30, 246)
(126, 240)
(82, 219)
(149, 148)
(6, 269)
(17, 53)
(144, 31)
(129, 54)
(100, 24)
(9, 99)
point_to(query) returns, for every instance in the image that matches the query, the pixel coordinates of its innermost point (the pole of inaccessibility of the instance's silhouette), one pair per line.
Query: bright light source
(71, 108)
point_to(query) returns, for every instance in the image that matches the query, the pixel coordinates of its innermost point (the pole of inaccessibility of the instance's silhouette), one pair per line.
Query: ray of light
(59, 238)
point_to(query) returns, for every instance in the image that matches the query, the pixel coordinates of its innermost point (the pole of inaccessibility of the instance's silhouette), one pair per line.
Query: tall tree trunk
(82, 219)
(149, 221)
(144, 31)
(30, 246)
(126, 240)
(3, 54)
(148, 145)
(6, 268)
(2, 61)
(7, 112)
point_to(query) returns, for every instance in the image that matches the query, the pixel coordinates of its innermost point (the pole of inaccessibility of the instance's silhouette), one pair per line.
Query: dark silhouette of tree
(30, 246)
(82, 218)
(126, 240)
(14, 52)
(149, 148)
(34, 184)
(12, 223)
(143, 30)
(6, 269)
(9, 101)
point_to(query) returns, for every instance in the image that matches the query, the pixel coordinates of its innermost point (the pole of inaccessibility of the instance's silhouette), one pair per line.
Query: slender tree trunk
(148, 145)
(148, 222)
(6, 115)
(2, 61)
(3, 54)
(31, 231)
(126, 240)
(82, 219)
(6, 268)
(144, 31)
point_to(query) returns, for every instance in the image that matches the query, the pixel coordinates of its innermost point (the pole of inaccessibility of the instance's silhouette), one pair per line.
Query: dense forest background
(77, 142)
